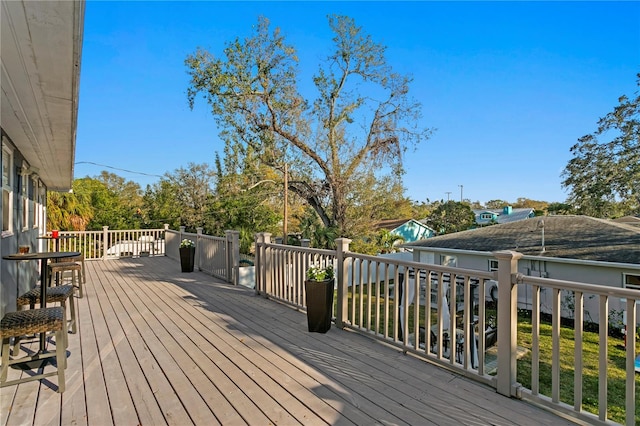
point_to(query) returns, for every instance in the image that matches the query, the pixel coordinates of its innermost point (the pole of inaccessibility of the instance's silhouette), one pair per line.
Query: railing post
(164, 237)
(259, 241)
(507, 322)
(262, 238)
(342, 313)
(198, 249)
(105, 242)
(267, 266)
(233, 256)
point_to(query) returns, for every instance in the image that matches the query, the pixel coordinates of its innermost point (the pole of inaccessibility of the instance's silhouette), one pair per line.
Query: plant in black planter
(319, 297)
(187, 255)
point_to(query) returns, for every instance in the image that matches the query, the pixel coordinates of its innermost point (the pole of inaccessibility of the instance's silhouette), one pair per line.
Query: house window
(42, 203)
(35, 213)
(24, 195)
(493, 265)
(486, 216)
(632, 281)
(7, 190)
(447, 260)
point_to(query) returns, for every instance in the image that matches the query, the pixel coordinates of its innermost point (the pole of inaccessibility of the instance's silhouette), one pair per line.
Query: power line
(116, 168)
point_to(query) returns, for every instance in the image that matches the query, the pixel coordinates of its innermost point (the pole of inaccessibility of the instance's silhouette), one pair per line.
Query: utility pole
(460, 192)
(448, 193)
(285, 238)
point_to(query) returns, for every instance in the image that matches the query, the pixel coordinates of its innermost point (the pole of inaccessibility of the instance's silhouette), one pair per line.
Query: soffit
(41, 45)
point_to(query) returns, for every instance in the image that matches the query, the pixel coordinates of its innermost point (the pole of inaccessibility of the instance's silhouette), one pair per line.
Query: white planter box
(247, 276)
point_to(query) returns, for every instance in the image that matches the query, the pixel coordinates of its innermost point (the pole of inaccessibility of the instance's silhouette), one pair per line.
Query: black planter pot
(319, 299)
(187, 256)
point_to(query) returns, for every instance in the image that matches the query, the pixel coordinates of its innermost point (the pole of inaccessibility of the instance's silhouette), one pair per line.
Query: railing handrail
(424, 266)
(599, 289)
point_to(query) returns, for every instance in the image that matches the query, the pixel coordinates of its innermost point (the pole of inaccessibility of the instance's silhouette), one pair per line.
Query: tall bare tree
(363, 118)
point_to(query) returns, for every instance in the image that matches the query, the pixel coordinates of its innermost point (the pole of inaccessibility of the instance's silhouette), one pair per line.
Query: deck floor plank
(74, 396)
(87, 363)
(109, 339)
(134, 358)
(262, 329)
(157, 346)
(167, 354)
(151, 355)
(273, 356)
(25, 396)
(259, 369)
(210, 357)
(310, 339)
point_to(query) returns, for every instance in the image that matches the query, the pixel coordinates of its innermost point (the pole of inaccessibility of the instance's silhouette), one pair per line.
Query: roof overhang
(41, 46)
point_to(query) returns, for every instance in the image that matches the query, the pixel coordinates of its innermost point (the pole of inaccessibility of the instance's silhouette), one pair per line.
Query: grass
(616, 372)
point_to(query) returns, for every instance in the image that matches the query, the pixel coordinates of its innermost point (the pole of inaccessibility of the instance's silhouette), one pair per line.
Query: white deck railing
(369, 300)
(578, 292)
(110, 244)
(217, 256)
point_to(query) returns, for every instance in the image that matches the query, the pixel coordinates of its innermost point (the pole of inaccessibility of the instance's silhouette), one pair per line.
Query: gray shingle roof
(574, 237)
(629, 220)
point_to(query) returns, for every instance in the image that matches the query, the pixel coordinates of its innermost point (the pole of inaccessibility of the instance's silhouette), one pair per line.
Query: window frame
(41, 201)
(7, 188)
(491, 263)
(24, 196)
(449, 260)
(35, 190)
(625, 280)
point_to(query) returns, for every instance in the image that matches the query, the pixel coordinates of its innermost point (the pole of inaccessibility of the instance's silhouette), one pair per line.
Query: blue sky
(508, 86)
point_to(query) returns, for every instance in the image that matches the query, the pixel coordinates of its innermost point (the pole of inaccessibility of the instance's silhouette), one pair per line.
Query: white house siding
(601, 273)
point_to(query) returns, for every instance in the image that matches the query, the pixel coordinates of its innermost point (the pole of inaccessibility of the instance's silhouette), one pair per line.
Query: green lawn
(590, 351)
(615, 369)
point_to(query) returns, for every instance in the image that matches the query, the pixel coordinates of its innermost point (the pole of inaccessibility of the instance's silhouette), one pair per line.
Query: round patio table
(43, 257)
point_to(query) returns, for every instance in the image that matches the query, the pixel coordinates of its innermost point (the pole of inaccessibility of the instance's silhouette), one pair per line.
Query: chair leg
(82, 275)
(64, 335)
(80, 295)
(61, 358)
(16, 346)
(72, 311)
(5, 360)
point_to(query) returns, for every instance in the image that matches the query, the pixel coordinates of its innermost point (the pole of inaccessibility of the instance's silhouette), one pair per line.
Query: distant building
(505, 215)
(409, 229)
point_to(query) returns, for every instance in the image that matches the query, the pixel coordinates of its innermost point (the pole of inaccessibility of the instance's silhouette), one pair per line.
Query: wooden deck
(156, 346)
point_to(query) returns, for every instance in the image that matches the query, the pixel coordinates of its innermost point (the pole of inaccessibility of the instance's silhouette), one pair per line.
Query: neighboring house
(409, 229)
(574, 248)
(505, 215)
(41, 49)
